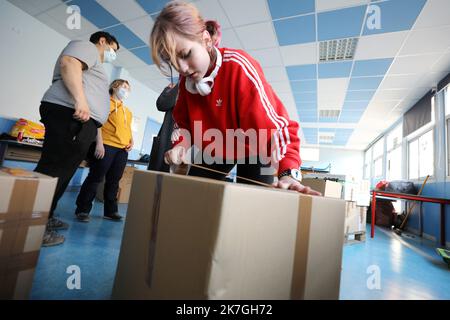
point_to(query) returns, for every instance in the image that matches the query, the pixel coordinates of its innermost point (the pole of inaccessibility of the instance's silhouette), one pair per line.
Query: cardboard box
(196, 238)
(25, 201)
(123, 194)
(328, 188)
(355, 218)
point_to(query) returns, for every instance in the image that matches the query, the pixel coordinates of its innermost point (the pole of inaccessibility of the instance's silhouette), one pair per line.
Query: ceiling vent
(337, 50)
(326, 137)
(329, 113)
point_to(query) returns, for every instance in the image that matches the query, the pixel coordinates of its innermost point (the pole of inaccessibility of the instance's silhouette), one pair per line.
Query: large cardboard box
(123, 194)
(25, 200)
(355, 218)
(196, 238)
(328, 188)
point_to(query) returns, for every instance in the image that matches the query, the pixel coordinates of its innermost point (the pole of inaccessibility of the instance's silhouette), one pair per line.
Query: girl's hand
(176, 155)
(289, 183)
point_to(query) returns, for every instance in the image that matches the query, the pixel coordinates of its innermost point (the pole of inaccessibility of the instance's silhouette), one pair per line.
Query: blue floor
(396, 267)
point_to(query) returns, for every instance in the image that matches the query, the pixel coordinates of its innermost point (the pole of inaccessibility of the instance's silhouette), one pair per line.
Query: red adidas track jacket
(241, 98)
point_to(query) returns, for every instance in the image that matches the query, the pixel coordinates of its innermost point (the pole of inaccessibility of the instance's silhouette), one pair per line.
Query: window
(394, 154)
(421, 156)
(378, 167)
(310, 154)
(378, 150)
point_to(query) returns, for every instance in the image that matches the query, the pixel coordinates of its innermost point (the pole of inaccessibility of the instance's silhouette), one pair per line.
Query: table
(22, 151)
(393, 196)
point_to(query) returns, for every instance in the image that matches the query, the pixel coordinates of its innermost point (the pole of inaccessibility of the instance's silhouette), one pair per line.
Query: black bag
(401, 187)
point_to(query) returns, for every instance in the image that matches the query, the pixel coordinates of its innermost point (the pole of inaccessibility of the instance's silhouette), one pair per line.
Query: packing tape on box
(12, 269)
(19, 222)
(154, 231)
(300, 262)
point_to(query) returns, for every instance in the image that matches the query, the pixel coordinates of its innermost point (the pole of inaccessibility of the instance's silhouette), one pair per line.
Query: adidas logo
(218, 102)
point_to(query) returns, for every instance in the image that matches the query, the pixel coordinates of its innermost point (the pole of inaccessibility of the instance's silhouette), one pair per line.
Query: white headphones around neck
(205, 85)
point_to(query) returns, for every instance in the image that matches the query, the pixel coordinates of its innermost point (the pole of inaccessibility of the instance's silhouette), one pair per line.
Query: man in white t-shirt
(75, 105)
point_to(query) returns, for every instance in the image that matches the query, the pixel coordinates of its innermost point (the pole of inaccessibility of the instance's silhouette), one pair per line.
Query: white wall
(28, 54)
(345, 162)
(29, 51)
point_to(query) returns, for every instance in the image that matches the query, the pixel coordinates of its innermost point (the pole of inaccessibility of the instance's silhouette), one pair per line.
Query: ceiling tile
(128, 60)
(361, 95)
(443, 64)
(380, 46)
(335, 69)
(365, 83)
(281, 87)
(35, 7)
(299, 54)
(304, 86)
(307, 24)
(400, 81)
(302, 72)
(141, 27)
(152, 6)
(212, 10)
(275, 74)
(323, 5)
(289, 8)
(126, 37)
(123, 10)
(230, 39)
(429, 40)
(59, 15)
(369, 68)
(343, 23)
(396, 15)
(434, 14)
(147, 72)
(331, 93)
(246, 12)
(267, 57)
(95, 13)
(257, 36)
(414, 64)
(395, 94)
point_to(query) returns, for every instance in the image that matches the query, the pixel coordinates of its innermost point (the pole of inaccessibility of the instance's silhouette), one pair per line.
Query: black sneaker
(52, 238)
(113, 216)
(56, 224)
(82, 216)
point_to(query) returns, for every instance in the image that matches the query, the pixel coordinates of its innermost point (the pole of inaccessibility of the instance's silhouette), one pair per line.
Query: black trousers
(245, 170)
(66, 144)
(110, 167)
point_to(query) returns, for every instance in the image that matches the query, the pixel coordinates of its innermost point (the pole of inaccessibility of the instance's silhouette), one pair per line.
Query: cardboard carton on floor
(355, 218)
(25, 200)
(328, 188)
(123, 194)
(195, 238)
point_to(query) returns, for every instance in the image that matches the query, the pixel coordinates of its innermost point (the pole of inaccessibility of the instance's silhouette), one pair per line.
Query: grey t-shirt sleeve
(82, 50)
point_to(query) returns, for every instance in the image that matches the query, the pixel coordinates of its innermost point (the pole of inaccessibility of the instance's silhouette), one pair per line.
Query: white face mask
(109, 55)
(122, 93)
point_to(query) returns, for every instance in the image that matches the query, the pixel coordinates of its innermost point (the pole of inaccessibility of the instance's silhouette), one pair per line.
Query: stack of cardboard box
(123, 193)
(25, 200)
(196, 238)
(355, 220)
(328, 188)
